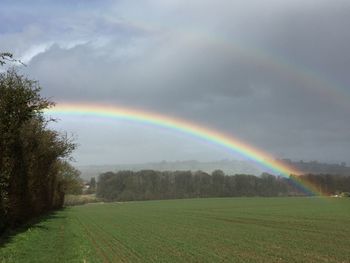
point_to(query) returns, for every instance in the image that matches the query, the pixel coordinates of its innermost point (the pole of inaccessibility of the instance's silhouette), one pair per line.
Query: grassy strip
(72, 200)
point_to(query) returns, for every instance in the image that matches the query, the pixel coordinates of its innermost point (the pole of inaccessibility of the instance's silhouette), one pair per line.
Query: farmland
(192, 230)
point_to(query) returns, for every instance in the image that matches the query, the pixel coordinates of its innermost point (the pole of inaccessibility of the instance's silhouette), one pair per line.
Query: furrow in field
(157, 232)
(164, 240)
(138, 235)
(117, 250)
(110, 250)
(177, 237)
(96, 245)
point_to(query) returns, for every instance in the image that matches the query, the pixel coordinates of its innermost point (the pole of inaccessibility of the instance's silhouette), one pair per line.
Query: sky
(272, 73)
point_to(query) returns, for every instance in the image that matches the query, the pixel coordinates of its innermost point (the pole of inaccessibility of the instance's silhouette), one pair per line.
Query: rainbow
(183, 126)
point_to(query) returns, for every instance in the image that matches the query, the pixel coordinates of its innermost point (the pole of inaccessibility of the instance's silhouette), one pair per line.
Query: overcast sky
(274, 73)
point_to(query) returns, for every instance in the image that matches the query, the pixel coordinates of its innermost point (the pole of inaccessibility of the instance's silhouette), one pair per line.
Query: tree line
(150, 185)
(34, 168)
(328, 184)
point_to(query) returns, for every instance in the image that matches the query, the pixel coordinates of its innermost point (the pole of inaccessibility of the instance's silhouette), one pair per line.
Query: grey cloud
(169, 68)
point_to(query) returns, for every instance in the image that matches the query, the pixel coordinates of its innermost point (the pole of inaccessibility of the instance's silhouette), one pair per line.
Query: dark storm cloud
(316, 38)
(256, 70)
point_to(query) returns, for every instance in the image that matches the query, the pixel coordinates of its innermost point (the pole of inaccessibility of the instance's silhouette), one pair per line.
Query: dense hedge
(32, 157)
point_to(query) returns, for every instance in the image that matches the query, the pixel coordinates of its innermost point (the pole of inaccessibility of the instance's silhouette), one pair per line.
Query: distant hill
(227, 166)
(315, 167)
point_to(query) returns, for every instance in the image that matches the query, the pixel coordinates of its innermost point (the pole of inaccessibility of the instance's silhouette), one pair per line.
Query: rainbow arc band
(234, 144)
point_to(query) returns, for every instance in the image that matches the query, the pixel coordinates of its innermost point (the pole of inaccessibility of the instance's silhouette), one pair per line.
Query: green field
(196, 230)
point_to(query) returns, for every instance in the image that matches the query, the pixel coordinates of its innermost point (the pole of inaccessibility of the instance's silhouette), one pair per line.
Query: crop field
(195, 230)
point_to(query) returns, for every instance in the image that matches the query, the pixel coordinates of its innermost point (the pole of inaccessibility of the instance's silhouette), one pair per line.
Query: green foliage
(149, 184)
(191, 230)
(152, 185)
(70, 178)
(31, 155)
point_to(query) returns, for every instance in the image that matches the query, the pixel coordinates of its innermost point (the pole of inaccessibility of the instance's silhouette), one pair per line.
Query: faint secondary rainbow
(305, 77)
(183, 126)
